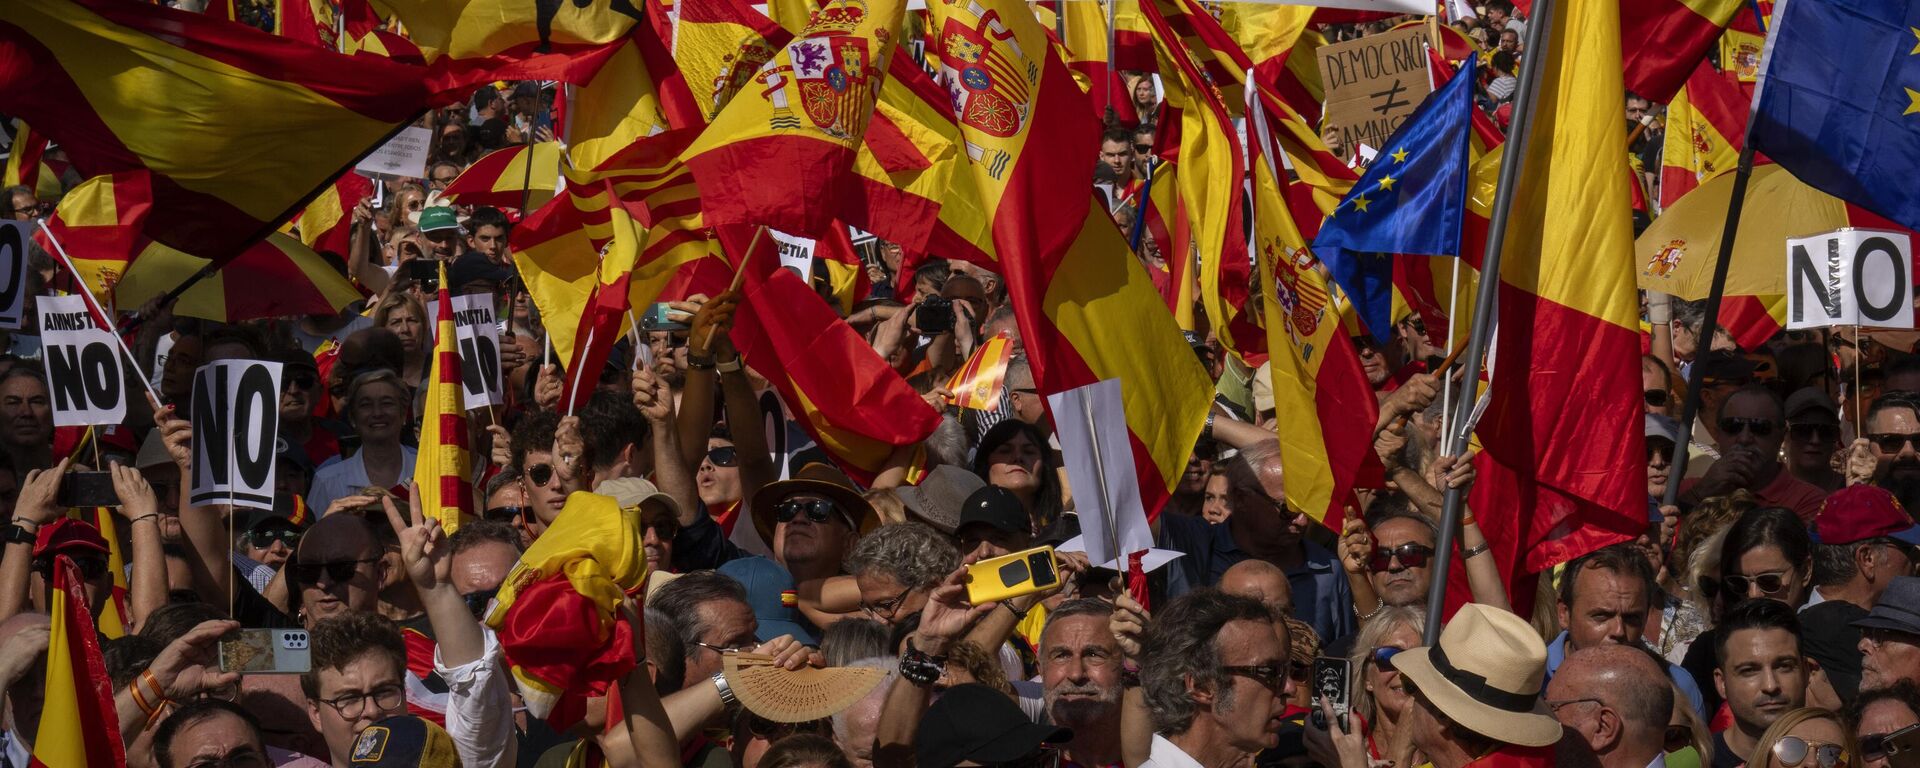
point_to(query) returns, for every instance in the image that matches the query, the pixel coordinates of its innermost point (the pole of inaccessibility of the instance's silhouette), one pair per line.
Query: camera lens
(1043, 575)
(1014, 573)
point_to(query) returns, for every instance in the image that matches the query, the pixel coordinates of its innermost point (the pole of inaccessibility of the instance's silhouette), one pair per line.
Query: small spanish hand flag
(978, 384)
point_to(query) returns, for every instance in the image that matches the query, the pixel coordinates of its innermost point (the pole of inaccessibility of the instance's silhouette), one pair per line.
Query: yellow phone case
(1013, 575)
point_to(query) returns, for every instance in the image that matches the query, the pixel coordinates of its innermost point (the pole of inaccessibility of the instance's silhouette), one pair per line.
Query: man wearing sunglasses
(1605, 597)
(545, 485)
(269, 538)
(1617, 699)
(1762, 674)
(299, 390)
(1750, 426)
(1813, 434)
(338, 568)
(1886, 721)
(1400, 567)
(1893, 427)
(1865, 542)
(1214, 670)
(812, 520)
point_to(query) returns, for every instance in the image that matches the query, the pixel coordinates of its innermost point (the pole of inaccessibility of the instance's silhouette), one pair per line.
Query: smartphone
(659, 317)
(934, 316)
(79, 490)
(266, 652)
(426, 272)
(1008, 576)
(1332, 684)
(1903, 747)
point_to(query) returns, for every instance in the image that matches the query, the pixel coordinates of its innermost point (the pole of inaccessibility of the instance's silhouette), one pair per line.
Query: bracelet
(159, 693)
(1474, 552)
(140, 700)
(730, 366)
(1017, 613)
(727, 699)
(1377, 608)
(700, 363)
(23, 522)
(147, 516)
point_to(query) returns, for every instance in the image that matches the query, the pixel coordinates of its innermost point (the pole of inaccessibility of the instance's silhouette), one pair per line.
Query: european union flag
(1839, 101)
(1412, 200)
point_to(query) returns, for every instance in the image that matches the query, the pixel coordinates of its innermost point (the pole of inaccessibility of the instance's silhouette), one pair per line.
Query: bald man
(1618, 700)
(1262, 581)
(339, 567)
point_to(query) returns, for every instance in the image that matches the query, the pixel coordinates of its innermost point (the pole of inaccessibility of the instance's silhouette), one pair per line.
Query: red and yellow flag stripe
(443, 473)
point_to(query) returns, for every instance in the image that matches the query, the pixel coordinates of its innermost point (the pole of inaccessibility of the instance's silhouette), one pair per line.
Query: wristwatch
(700, 362)
(727, 698)
(920, 668)
(18, 534)
(729, 366)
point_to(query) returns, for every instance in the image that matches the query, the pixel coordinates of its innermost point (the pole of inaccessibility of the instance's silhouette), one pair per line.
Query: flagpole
(1113, 113)
(1485, 299)
(86, 293)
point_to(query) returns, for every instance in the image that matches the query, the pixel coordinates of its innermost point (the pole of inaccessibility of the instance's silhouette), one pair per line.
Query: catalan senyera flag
(303, 282)
(855, 406)
(980, 383)
(1668, 38)
(78, 725)
(1706, 122)
(799, 124)
(1324, 408)
(443, 473)
(1087, 310)
(327, 223)
(99, 224)
(27, 166)
(503, 179)
(720, 45)
(1565, 411)
(98, 75)
(1213, 181)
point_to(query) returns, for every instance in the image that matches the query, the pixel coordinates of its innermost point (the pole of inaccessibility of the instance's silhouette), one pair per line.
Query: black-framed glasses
(1876, 746)
(477, 601)
(1679, 737)
(723, 456)
(1297, 671)
(540, 474)
(351, 706)
(885, 609)
(724, 649)
(1891, 442)
(1657, 398)
(1771, 583)
(301, 379)
(1273, 676)
(504, 513)
(819, 511)
(1410, 555)
(1383, 657)
(266, 538)
(1734, 425)
(1815, 433)
(1793, 750)
(337, 571)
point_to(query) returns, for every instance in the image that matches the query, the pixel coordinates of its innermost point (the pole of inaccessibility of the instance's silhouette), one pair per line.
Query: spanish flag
(445, 469)
(983, 380)
(78, 725)
(27, 165)
(98, 76)
(502, 178)
(791, 15)
(915, 190)
(99, 225)
(637, 93)
(1087, 310)
(476, 34)
(1085, 40)
(1706, 122)
(720, 45)
(1270, 34)
(314, 22)
(1670, 38)
(327, 223)
(303, 282)
(1564, 418)
(800, 124)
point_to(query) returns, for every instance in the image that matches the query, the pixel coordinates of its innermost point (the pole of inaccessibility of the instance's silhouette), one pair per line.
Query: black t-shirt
(1701, 659)
(253, 610)
(1827, 636)
(1724, 757)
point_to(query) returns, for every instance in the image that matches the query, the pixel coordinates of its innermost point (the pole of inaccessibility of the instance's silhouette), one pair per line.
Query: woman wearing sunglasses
(1765, 553)
(1805, 738)
(1379, 697)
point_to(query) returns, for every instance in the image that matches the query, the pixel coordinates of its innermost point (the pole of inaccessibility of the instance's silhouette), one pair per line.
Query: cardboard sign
(236, 423)
(1850, 277)
(14, 236)
(84, 377)
(1373, 84)
(403, 155)
(476, 334)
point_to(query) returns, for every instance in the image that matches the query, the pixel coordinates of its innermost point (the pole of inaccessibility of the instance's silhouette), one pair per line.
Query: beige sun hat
(1486, 674)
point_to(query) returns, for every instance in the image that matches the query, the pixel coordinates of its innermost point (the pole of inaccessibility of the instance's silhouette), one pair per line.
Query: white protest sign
(236, 423)
(83, 364)
(403, 155)
(1092, 428)
(14, 236)
(796, 253)
(1850, 277)
(477, 335)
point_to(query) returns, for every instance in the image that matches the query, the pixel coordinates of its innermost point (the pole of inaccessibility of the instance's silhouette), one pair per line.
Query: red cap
(67, 534)
(1860, 512)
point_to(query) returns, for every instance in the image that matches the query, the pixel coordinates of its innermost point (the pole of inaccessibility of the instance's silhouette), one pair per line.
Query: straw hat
(796, 696)
(1485, 674)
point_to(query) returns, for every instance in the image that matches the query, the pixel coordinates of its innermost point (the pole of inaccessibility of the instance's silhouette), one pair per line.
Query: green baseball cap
(438, 218)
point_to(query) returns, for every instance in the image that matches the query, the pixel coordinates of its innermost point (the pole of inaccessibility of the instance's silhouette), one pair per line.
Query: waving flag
(444, 470)
(1412, 200)
(720, 45)
(1085, 40)
(1270, 33)
(1705, 124)
(303, 282)
(502, 178)
(1670, 37)
(327, 223)
(637, 93)
(78, 725)
(474, 41)
(99, 224)
(98, 76)
(1846, 125)
(27, 165)
(1087, 310)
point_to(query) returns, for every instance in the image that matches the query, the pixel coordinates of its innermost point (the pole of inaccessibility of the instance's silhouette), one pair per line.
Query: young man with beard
(1761, 675)
(1888, 455)
(1080, 670)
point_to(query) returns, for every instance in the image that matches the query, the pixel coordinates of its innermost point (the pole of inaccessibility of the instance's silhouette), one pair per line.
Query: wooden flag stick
(703, 345)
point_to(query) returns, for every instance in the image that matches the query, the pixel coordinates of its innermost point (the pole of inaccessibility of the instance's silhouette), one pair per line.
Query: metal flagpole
(1538, 34)
(1112, 76)
(86, 293)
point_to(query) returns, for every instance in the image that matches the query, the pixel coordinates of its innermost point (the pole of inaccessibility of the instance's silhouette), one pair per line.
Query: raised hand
(423, 543)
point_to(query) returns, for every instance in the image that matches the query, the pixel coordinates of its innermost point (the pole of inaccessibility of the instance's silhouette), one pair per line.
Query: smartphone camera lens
(1043, 575)
(1014, 573)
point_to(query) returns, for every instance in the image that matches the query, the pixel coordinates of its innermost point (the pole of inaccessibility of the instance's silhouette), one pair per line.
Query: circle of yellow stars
(1386, 182)
(1913, 96)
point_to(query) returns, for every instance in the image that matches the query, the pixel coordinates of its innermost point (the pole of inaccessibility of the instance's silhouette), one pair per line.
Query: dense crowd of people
(1770, 616)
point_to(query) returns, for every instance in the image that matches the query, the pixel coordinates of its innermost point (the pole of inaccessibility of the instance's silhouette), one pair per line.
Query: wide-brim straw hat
(1486, 674)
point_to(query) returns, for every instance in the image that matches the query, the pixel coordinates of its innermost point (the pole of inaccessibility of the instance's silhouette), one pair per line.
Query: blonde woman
(1807, 737)
(1379, 697)
(406, 316)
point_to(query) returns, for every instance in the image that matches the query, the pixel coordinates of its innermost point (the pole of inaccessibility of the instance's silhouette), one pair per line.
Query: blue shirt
(1321, 597)
(1557, 652)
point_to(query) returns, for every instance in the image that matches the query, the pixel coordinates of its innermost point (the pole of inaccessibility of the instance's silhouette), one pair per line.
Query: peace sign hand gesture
(423, 544)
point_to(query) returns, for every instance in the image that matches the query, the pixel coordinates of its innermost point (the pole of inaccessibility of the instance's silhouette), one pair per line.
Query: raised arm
(205, 527)
(147, 582)
(33, 509)
(654, 399)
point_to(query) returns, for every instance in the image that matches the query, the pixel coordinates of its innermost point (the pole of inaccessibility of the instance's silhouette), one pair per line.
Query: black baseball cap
(977, 724)
(997, 507)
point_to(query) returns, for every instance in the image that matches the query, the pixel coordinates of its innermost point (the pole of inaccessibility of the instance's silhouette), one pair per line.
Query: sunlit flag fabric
(101, 77)
(799, 123)
(981, 383)
(444, 469)
(502, 178)
(99, 223)
(303, 283)
(1269, 33)
(1087, 310)
(720, 45)
(1846, 125)
(1563, 423)
(1085, 39)
(27, 165)
(1706, 122)
(1668, 38)
(473, 41)
(1412, 200)
(636, 93)
(78, 725)
(327, 223)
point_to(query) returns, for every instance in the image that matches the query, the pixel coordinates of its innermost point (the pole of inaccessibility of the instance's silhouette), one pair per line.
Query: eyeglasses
(1769, 583)
(1793, 750)
(337, 571)
(477, 601)
(1273, 676)
(1383, 657)
(1815, 433)
(1734, 425)
(1143, 148)
(1656, 398)
(302, 380)
(722, 649)
(1297, 671)
(1876, 746)
(504, 514)
(817, 510)
(885, 609)
(351, 706)
(1679, 737)
(264, 539)
(540, 474)
(723, 456)
(1890, 442)
(1410, 555)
